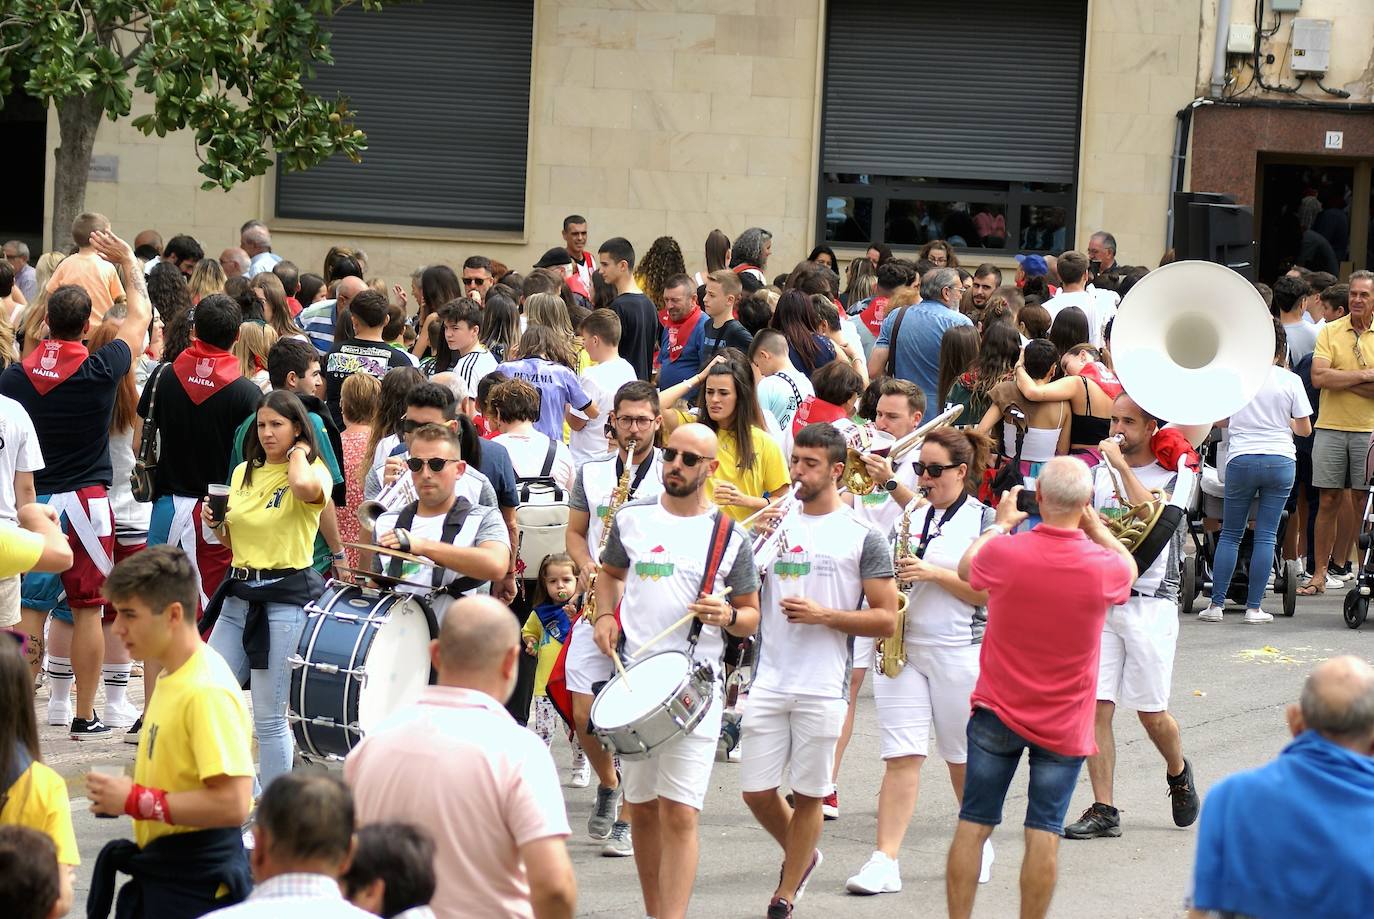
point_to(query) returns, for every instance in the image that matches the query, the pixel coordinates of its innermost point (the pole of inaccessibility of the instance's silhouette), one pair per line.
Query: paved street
(1228, 694)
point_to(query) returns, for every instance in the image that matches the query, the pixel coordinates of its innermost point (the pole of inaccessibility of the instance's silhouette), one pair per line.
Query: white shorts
(792, 735)
(933, 688)
(9, 602)
(863, 652)
(680, 770)
(1137, 664)
(585, 665)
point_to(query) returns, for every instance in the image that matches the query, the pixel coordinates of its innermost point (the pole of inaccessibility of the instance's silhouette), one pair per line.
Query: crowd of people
(612, 453)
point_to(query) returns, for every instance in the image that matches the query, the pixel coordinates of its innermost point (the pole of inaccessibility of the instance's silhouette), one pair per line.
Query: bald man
(456, 764)
(655, 560)
(319, 320)
(1317, 797)
(235, 263)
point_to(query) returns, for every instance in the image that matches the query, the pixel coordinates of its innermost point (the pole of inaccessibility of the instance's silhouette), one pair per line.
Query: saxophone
(892, 650)
(619, 495)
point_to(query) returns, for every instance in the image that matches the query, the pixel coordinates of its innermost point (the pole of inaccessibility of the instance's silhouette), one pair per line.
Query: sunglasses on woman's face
(934, 469)
(436, 464)
(689, 459)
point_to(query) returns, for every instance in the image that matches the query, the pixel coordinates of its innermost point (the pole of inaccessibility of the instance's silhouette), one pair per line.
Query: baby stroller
(1356, 606)
(1204, 527)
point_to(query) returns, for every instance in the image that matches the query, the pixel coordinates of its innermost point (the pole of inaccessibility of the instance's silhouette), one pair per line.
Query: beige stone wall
(656, 117)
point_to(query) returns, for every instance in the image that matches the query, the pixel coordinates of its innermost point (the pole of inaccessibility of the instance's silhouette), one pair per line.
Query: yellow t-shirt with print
(269, 527)
(20, 550)
(196, 727)
(1345, 409)
(767, 474)
(38, 799)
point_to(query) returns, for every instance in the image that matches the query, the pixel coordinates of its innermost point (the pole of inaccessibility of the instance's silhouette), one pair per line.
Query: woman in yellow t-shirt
(752, 469)
(31, 794)
(275, 499)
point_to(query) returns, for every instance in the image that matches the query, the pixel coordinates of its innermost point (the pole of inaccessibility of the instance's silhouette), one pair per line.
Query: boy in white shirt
(781, 386)
(601, 380)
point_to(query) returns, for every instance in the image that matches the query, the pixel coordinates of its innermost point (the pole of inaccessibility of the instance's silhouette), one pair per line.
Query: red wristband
(146, 803)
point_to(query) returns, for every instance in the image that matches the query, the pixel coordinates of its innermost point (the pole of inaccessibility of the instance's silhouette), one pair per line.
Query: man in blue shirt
(916, 344)
(1289, 838)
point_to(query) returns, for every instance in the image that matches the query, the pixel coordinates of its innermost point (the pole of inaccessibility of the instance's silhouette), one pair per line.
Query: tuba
(395, 496)
(856, 477)
(1192, 343)
(892, 649)
(619, 495)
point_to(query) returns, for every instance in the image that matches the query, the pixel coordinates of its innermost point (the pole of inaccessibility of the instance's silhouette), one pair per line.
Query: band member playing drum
(656, 558)
(827, 564)
(467, 543)
(634, 418)
(944, 626)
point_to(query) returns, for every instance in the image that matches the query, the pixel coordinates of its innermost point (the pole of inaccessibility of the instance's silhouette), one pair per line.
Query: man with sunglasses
(828, 560)
(655, 560)
(466, 542)
(634, 416)
(477, 277)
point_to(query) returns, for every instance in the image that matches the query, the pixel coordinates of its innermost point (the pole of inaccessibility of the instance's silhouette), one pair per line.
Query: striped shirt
(318, 323)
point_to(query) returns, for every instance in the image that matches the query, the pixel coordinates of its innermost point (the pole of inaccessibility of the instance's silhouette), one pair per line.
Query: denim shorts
(994, 752)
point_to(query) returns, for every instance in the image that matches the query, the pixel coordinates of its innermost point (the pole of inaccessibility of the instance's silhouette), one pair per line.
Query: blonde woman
(208, 278)
(254, 341)
(32, 322)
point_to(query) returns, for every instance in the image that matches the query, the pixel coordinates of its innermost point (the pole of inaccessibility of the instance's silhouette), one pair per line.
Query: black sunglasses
(435, 463)
(689, 459)
(935, 469)
(468, 282)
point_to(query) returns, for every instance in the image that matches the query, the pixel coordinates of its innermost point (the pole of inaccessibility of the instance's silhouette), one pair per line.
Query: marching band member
(900, 407)
(655, 559)
(466, 542)
(1139, 639)
(634, 417)
(828, 561)
(944, 627)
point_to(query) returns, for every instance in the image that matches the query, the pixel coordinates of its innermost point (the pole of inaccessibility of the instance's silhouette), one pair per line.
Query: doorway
(24, 159)
(1313, 212)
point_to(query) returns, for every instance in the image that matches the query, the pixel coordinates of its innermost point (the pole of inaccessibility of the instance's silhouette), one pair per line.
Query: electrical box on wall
(1311, 45)
(1285, 6)
(1240, 39)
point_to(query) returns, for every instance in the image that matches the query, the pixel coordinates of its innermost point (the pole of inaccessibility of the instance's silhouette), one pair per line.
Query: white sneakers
(60, 711)
(1210, 614)
(1253, 616)
(581, 775)
(120, 716)
(879, 874)
(985, 871)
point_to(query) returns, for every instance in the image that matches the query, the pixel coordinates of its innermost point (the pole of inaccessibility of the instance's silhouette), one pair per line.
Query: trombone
(856, 477)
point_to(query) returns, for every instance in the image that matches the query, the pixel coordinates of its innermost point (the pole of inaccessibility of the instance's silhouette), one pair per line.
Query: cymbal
(396, 553)
(382, 578)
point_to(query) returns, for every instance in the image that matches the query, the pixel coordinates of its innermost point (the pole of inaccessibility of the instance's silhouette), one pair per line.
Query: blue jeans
(270, 686)
(1271, 479)
(994, 752)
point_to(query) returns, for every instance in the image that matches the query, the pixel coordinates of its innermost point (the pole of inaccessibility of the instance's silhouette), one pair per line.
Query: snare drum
(657, 699)
(363, 654)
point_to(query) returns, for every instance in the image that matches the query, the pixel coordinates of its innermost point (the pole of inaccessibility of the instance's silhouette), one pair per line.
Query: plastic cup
(218, 500)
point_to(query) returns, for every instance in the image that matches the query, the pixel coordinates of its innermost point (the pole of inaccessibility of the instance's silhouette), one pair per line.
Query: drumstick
(675, 626)
(620, 669)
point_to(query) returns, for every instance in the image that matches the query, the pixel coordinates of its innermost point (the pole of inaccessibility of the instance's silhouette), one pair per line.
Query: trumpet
(619, 495)
(393, 497)
(856, 476)
(769, 539)
(892, 649)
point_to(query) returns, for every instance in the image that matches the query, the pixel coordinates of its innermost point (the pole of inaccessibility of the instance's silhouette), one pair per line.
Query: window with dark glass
(950, 120)
(442, 89)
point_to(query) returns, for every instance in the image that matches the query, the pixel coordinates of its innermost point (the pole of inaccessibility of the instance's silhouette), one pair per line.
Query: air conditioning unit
(1311, 46)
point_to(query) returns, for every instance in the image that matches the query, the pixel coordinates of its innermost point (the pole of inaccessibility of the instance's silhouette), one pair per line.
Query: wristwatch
(890, 485)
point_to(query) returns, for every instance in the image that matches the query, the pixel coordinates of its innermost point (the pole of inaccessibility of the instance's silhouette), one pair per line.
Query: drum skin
(659, 698)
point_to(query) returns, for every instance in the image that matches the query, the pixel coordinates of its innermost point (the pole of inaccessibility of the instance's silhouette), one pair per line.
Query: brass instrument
(768, 539)
(619, 495)
(856, 477)
(393, 497)
(892, 649)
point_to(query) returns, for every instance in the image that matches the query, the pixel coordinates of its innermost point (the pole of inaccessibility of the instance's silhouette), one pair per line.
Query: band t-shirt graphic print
(591, 491)
(666, 557)
(1153, 476)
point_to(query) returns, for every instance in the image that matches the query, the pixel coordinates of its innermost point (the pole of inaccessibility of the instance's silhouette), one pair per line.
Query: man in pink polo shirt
(486, 789)
(1048, 594)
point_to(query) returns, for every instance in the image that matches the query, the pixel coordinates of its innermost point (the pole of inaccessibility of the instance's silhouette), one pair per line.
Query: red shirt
(1048, 595)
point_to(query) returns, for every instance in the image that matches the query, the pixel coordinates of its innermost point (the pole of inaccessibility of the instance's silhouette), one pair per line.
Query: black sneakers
(1100, 820)
(131, 735)
(778, 908)
(1184, 796)
(88, 729)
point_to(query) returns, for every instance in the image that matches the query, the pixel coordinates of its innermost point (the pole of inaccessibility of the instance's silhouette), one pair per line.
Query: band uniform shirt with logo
(1161, 578)
(878, 508)
(591, 492)
(935, 617)
(665, 558)
(196, 727)
(269, 527)
(825, 559)
(483, 524)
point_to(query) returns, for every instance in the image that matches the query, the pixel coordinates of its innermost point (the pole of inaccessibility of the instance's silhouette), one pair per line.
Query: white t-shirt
(934, 616)
(591, 491)
(19, 452)
(781, 394)
(473, 366)
(527, 452)
(1262, 426)
(878, 509)
(1095, 307)
(1152, 476)
(665, 558)
(826, 559)
(601, 382)
(483, 524)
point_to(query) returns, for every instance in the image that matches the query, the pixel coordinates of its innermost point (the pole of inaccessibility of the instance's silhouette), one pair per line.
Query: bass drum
(363, 654)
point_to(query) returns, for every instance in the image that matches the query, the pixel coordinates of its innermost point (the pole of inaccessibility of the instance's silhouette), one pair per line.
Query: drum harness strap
(721, 527)
(453, 523)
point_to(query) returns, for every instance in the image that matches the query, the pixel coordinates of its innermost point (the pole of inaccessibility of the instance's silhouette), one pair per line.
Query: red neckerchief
(814, 411)
(52, 362)
(1169, 446)
(872, 314)
(741, 269)
(679, 332)
(576, 286)
(204, 370)
(295, 306)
